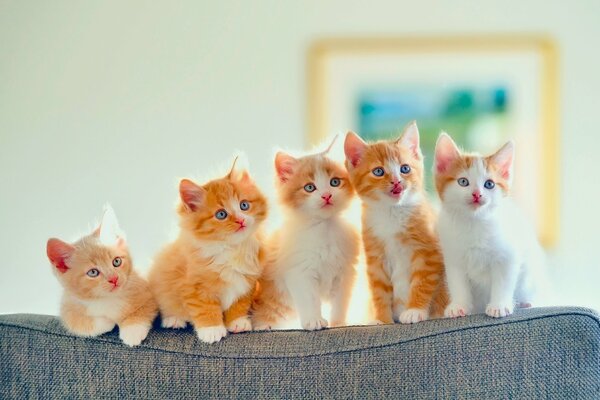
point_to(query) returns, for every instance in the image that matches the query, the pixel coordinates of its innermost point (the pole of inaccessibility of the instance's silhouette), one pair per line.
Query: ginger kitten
(404, 262)
(101, 287)
(490, 251)
(312, 256)
(207, 276)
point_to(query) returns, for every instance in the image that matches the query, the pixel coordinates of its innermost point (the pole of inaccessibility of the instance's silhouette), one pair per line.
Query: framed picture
(483, 91)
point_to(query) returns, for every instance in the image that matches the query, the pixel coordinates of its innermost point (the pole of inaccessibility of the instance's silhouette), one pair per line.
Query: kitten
(404, 262)
(207, 276)
(313, 255)
(101, 287)
(489, 250)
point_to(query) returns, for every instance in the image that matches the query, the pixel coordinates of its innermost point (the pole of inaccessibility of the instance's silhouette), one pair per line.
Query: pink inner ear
(58, 252)
(354, 148)
(445, 153)
(284, 165)
(191, 194)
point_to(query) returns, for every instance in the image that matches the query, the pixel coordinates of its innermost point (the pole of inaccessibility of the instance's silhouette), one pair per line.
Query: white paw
(314, 324)
(525, 305)
(263, 326)
(133, 335)
(211, 334)
(454, 310)
(413, 315)
(499, 310)
(241, 324)
(173, 322)
(102, 325)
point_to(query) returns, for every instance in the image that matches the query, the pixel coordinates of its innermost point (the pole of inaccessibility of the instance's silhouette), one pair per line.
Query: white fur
(173, 322)
(491, 253)
(133, 335)
(241, 324)
(211, 334)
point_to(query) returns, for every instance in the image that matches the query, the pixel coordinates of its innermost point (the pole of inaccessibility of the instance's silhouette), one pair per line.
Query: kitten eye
(117, 262)
(335, 182)
(244, 205)
(405, 168)
(221, 214)
(309, 187)
(463, 181)
(92, 273)
(378, 171)
(489, 184)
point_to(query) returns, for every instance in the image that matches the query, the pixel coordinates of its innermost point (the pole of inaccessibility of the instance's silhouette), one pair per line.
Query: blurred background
(116, 100)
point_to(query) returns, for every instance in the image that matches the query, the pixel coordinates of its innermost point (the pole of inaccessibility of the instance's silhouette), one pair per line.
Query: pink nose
(326, 197)
(476, 195)
(114, 280)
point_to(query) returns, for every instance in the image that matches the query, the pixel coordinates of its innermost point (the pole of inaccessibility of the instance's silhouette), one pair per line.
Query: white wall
(114, 100)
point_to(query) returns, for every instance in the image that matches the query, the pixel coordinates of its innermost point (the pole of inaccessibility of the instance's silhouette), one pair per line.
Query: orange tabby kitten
(404, 263)
(101, 287)
(208, 274)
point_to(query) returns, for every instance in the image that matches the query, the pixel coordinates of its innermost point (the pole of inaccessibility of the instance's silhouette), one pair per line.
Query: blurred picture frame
(483, 91)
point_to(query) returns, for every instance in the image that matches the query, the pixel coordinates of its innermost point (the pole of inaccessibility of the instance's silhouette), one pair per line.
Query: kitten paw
(102, 325)
(524, 305)
(454, 310)
(413, 315)
(314, 324)
(499, 310)
(133, 335)
(238, 325)
(263, 326)
(211, 334)
(173, 322)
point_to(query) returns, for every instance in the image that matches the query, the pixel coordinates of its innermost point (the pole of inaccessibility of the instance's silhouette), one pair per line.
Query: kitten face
(96, 266)
(386, 171)
(228, 209)
(470, 183)
(313, 185)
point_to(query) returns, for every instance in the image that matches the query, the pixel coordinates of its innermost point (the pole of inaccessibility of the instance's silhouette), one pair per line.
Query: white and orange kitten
(491, 253)
(313, 256)
(101, 287)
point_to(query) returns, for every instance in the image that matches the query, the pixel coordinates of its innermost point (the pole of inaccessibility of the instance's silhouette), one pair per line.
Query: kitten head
(227, 209)
(469, 182)
(386, 171)
(313, 185)
(97, 265)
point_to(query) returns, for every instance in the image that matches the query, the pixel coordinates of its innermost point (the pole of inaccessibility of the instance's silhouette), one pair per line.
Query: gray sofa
(534, 354)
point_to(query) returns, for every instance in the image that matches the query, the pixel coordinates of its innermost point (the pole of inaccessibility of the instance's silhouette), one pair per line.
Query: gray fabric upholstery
(534, 354)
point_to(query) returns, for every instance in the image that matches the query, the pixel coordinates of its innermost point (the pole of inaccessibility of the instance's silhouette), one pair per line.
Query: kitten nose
(240, 221)
(476, 195)
(326, 196)
(114, 280)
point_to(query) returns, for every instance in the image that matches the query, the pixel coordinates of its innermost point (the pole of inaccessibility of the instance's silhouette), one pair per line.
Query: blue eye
(405, 168)
(335, 182)
(378, 171)
(244, 205)
(463, 181)
(221, 214)
(92, 273)
(489, 184)
(117, 262)
(309, 187)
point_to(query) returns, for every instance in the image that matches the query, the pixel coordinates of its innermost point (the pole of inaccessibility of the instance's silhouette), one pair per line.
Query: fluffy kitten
(313, 255)
(101, 287)
(404, 263)
(207, 276)
(490, 251)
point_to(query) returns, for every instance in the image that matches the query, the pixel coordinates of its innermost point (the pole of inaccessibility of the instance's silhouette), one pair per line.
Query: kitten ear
(191, 194)
(284, 166)
(446, 152)
(58, 252)
(410, 139)
(109, 233)
(503, 159)
(354, 148)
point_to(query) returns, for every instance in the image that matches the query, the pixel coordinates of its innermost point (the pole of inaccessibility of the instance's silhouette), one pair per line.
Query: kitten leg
(504, 281)
(341, 296)
(303, 290)
(459, 289)
(236, 316)
(78, 323)
(135, 327)
(381, 287)
(205, 312)
(268, 307)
